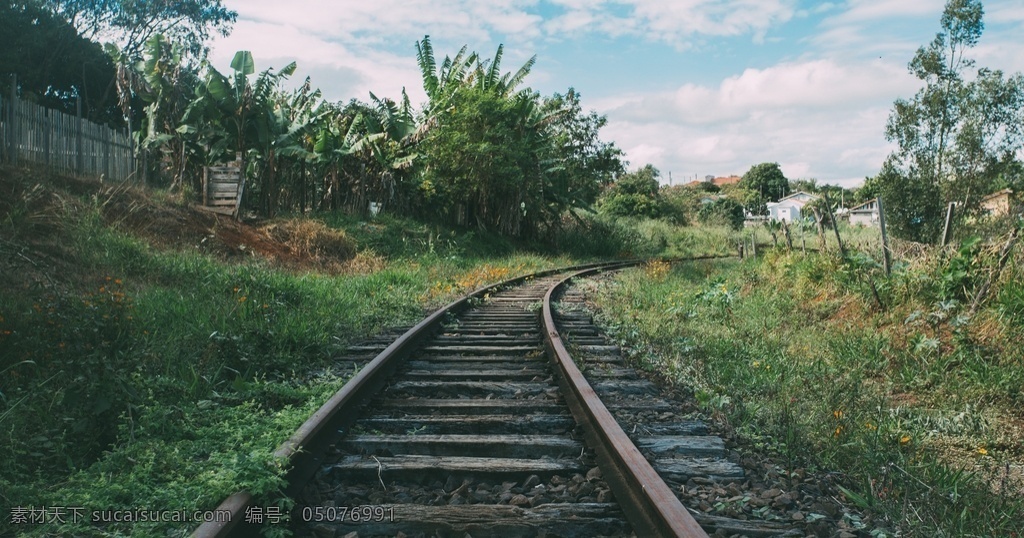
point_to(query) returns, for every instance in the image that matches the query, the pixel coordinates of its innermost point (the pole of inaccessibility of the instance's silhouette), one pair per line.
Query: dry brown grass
(313, 238)
(364, 263)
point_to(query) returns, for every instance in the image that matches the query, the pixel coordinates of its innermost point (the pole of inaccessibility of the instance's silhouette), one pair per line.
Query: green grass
(903, 405)
(164, 380)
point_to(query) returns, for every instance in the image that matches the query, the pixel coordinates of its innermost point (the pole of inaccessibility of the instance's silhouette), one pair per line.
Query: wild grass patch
(898, 401)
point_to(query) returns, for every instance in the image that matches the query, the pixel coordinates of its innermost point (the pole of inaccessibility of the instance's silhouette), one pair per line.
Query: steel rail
(304, 451)
(649, 504)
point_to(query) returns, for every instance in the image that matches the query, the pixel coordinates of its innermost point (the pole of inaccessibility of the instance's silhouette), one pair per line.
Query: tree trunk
(789, 239)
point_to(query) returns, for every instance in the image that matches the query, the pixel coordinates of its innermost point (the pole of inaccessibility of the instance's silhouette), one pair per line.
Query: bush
(599, 236)
(722, 212)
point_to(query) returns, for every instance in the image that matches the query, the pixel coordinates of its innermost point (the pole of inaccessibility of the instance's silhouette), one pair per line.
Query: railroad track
(505, 414)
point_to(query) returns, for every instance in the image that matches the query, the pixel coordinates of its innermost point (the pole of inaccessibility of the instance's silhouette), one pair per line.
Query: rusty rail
(647, 501)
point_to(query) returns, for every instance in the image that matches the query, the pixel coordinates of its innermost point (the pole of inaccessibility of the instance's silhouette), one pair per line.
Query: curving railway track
(506, 413)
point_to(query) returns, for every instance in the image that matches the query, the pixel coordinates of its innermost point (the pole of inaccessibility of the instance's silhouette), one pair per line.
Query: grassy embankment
(912, 403)
(137, 377)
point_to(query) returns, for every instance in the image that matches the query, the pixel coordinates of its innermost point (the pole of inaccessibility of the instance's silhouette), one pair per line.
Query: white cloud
(672, 21)
(677, 23)
(1004, 12)
(340, 72)
(875, 10)
(816, 118)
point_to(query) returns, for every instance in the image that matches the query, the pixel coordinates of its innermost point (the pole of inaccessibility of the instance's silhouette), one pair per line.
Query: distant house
(710, 198)
(791, 207)
(998, 203)
(727, 180)
(865, 214)
(716, 181)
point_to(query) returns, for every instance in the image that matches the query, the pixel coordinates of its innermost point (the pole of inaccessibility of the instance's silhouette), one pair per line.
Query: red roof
(729, 180)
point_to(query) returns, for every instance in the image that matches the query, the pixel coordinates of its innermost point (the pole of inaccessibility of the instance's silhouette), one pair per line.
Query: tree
(722, 212)
(130, 23)
(55, 66)
(924, 126)
(634, 194)
(478, 164)
(805, 185)
(498, 156)
(913, 206)
(581, 165)
(768, 181)
(958, 136)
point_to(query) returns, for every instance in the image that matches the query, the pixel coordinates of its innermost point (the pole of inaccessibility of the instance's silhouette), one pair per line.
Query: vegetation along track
(478, 421)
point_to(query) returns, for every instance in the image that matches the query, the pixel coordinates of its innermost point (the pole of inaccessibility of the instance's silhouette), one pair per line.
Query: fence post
(886, 252)
(47, 136)
(108, 152)
(947, 231)
(79, 158)
(12, 129)
(835, 225)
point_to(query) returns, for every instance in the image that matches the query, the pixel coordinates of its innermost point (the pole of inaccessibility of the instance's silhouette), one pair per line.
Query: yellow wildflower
(905, 439)
(983, 451)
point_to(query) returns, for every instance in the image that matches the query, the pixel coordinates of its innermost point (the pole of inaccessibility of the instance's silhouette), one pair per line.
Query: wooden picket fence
(64, 143)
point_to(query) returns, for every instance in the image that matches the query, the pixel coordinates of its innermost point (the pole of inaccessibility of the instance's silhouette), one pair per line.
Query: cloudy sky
(694, 87)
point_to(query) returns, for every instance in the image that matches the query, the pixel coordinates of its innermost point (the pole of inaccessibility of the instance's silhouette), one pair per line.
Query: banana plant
(167, 89)
(333, 138)
(228, 114)
(280, 134)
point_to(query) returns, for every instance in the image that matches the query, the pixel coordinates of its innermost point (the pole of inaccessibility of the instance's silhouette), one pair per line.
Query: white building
(865, 214)
(791, 207)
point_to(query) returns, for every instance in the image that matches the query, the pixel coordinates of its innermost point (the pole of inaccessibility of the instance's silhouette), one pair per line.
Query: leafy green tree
(634, 194)
(235, 117)
(130, 23)
(958, 136)
(478, 167)
(382, 139)
(925, 125)
(498, 156)
(768, 181)
(54, 64)
(805, 185)
(723, 212)
(441, 82)
(989, 139)
(579, 165)
(913, 206)
(281, 132)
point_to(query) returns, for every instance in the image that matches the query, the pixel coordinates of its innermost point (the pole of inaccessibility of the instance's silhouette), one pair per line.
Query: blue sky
(694, 87)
